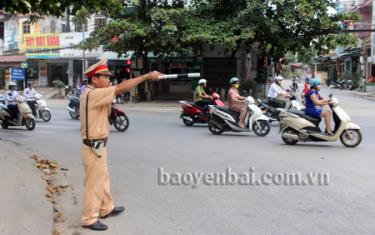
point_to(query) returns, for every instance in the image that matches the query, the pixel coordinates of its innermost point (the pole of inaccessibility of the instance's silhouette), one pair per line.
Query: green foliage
(59, 84)
(278, 26)
(36, 9)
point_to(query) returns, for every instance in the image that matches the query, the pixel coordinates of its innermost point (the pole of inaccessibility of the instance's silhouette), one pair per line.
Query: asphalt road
(157, 139)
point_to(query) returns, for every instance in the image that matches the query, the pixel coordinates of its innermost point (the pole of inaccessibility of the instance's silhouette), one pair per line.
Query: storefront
(7, 62)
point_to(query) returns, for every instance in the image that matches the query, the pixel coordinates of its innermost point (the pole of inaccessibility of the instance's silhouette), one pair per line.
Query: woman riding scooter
(315, 105)
(235, 101)
(11, 100)
(200, 97)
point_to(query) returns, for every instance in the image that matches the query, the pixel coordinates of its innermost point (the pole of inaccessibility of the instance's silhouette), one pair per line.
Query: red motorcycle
(192, 113)
(118, 118)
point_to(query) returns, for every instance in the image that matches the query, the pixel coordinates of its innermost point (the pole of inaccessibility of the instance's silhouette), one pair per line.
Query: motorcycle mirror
(330, 95)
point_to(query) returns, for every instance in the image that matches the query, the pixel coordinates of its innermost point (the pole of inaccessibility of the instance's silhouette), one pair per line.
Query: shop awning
(12, 58)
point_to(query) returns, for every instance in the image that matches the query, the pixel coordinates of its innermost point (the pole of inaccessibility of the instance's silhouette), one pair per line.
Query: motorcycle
(117, 117)
(2, 99)
(42, 110)
(272, 110)
(297, 126)
(24, 115)
(73, 106)
(192, 113)
(223, 119)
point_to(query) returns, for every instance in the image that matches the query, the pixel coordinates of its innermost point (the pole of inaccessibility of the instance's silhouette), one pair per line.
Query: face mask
(236, 85)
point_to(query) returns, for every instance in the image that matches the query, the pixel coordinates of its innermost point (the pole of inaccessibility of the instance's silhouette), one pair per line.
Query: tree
(277, 26)
(37, 9)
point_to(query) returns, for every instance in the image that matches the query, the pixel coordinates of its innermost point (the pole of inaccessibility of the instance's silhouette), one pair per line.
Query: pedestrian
(95, 107)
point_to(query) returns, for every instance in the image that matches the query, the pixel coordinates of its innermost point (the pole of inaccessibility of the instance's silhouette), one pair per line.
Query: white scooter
(297, 126)
(42, 110)
(223, 119)
(24, 117)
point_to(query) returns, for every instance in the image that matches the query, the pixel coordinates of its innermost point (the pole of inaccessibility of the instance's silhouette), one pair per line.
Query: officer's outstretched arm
(127, 85)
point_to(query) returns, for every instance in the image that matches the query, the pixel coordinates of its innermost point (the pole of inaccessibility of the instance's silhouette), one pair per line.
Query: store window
(100, 22)
(26, 27)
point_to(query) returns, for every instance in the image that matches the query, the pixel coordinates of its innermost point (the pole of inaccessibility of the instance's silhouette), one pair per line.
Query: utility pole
(83, 51)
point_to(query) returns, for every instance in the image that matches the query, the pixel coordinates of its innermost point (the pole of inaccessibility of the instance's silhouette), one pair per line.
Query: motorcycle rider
(235, 101)
(11, 100)
(30, 94)
(316, 106)
(200, 96)
(83, 86)
(275, 92)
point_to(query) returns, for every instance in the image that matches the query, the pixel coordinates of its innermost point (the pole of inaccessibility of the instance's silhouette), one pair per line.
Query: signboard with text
(39, 46)
(17, 74)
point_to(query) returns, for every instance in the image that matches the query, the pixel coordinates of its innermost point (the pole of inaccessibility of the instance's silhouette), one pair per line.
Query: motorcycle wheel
(45, 115)
(30, 123)
(287, 140)
(121, 123)
(187, 122)
(261, 127)
(214, 129)
(4, 124)
(351, 138)
(74, 115)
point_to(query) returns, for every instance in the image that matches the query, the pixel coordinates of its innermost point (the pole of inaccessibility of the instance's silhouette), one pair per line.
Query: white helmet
(278, 78)
(12, 84)
(202, 81)
(234, 80)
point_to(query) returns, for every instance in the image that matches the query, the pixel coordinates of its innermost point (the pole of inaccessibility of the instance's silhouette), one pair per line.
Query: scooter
(297, 126)
(73, 106)
(223, 119)
(273, 112)
(192, 113)
(24, 116)
(118, 118)
(42, 110)
(2, 99)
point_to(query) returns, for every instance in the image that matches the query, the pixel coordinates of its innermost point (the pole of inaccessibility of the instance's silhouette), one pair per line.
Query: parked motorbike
(223, 119)
(42, 110)
(297, 126)
(24, 115)
(272, 111)
(192, 113)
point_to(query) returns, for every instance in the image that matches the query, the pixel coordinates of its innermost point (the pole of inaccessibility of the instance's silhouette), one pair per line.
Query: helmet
(234, 80)
(278, 78)
(202, 81)
(314, 82)
(11, 84)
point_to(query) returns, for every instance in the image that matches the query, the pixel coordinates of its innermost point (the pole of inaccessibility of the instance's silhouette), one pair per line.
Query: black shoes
(116, 210)
(97, 226)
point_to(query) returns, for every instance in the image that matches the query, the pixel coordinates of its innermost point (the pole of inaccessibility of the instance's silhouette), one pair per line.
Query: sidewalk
(365, 95)
(24, 209)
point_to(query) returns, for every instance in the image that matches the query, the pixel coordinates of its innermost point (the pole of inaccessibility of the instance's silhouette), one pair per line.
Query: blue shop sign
(17, 74)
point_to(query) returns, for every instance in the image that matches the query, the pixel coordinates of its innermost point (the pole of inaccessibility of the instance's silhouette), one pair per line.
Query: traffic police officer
(95, 106)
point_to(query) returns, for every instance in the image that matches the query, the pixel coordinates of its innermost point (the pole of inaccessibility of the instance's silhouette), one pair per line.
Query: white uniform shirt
(30, 93)
(274, 91)
(11, 97)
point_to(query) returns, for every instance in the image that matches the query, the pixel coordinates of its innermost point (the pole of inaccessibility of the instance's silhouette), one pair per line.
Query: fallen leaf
(64, 169)
(59, 218)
